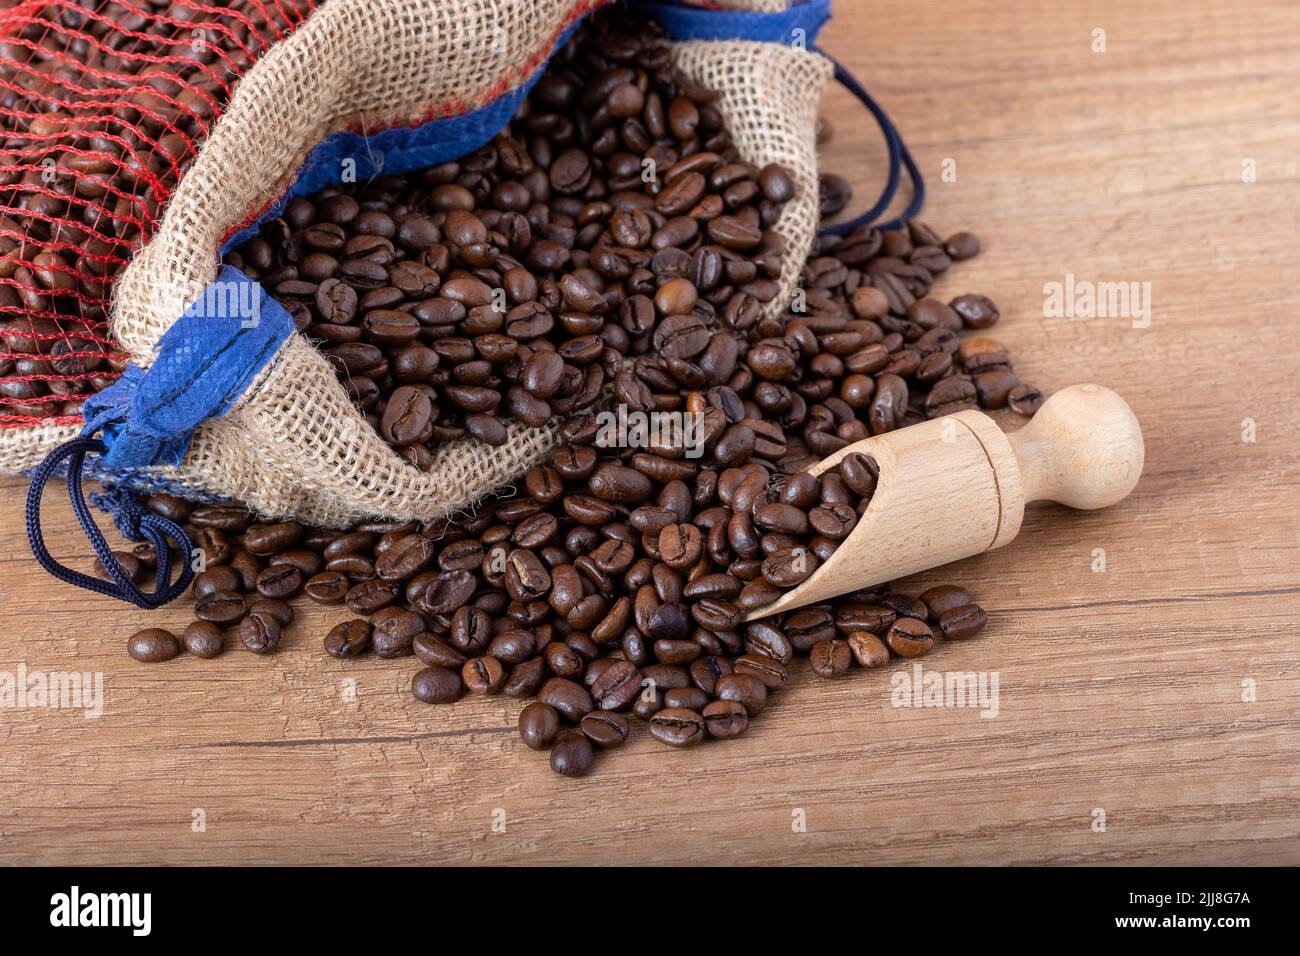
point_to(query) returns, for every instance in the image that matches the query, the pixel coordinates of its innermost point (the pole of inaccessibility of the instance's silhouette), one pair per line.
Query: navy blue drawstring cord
(899, 158)
(132, 521)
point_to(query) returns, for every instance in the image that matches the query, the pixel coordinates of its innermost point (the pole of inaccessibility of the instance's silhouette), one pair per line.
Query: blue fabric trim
(695, 23)
(205, 362)
(401, 149)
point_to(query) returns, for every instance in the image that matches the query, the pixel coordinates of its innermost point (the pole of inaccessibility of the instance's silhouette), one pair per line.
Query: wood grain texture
(1120, 690)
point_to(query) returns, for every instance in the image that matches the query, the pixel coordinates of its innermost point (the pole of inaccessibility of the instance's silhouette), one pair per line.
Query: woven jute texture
(22, 449)
(295, 446)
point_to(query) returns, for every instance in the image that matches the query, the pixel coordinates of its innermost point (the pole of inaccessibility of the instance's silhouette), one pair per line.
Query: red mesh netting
(103, 104)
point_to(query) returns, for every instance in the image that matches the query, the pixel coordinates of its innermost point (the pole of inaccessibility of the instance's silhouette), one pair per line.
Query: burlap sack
(295, 446)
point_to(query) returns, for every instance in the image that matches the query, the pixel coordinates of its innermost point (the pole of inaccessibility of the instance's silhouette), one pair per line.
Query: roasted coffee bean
(961, 622)
(605, 728)
(764, 639)
(860, 473)
(830, 658)
(348, 639)
(152, 645)
(677, 727)
(834, 193)
(725, 719)
(436, 652)
(687, 698)
(273, 608)
(471, 629)
(328, 587)
(405, 558)
(867, 649)
(744, 689)
(128, 562)
(770, 671)
(512, 647)
(873, 618)
(483, 675)
(1024, 399)
(570, 699)
(394, 630)
(367, 597)
(437, 685)
(260, 633)
(264, 539)
(962, 245)
(538, 725)
(279, 581)
(220, 578)
(905, 606)
(221, 607)
(202, 639)
(909, 637)
(525, 679)
(617, 686)
(448, 592)
(572, 755)
(943, 598)
(976, 311)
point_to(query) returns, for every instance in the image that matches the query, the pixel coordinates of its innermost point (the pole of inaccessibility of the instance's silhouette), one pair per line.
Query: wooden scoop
(958, 486)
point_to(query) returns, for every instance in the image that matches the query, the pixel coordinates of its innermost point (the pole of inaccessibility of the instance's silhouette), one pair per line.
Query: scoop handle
(1083, 448)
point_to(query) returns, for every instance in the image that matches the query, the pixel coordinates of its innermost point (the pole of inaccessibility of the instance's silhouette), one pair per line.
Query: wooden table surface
(1147, 712)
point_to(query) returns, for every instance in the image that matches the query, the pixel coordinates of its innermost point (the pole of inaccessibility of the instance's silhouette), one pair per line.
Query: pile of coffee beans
(598, 591)
(102, 107)
(610, 219)
(615, 582)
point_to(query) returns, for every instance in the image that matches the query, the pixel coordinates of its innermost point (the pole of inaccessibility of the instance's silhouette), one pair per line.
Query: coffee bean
(328, 587)
(394, 630)
(483, 675)
(618, 686)
(525, 679)
(202, 639)
(834, 193)
(605, 728)
(368, 597)
(260, 633)
(436, 652)
(405, 558)
(771, 672)
(152, 645)
(961, 622)
(221, 578)
(943, 598)
(830, 658)
(680, 545)
(348, 639)
(538, 725)
(572, 755)
(744, 689)
(976, 311)
(279, 581)
(221, 607)
(277, 610)
(1024, 399)
(264, 539)
(873, 618)
(437, 685)
(725, 719)
(962, 245)
(677, 727)
(867, 649)
(909, 637)
(570, 699)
